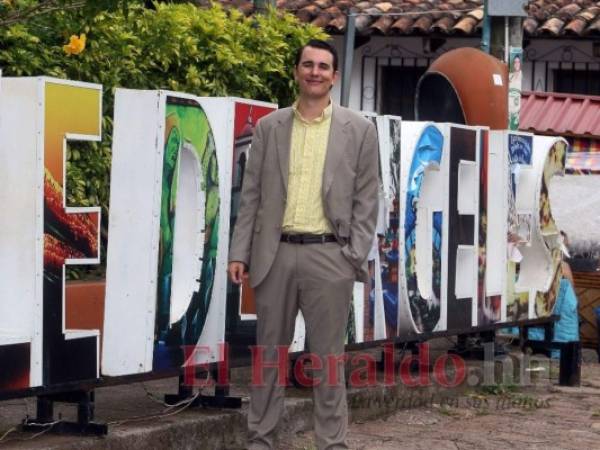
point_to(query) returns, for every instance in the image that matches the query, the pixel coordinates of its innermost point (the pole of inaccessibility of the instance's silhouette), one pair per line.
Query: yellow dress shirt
(304, 211)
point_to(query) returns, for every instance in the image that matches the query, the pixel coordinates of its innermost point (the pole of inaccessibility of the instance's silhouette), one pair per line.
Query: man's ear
(336, 76)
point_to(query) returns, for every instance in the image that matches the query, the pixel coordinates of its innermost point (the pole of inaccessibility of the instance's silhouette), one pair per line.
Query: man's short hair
(317, 43)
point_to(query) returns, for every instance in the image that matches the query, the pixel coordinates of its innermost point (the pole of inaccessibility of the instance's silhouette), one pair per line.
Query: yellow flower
(76, 45)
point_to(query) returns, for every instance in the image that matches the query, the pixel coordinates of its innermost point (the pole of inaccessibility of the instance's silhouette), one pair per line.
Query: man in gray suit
(305, 225)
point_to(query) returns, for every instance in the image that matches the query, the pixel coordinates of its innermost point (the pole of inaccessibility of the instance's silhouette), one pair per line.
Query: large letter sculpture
(540, 269)
(423, 218)
(40, 233)
(466, 236)
(169, 210)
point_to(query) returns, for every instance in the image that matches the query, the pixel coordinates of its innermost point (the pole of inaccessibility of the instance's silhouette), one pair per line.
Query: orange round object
(465, 86)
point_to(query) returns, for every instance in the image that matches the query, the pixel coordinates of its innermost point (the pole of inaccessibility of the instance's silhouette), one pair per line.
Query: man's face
(314, 73)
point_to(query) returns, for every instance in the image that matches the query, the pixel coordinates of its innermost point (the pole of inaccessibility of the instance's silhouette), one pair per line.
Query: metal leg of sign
(523, 336)
(544, 347)
(392, 355)
(490, 345)
(479, 347)
(45, 420)
(221, 398)
(185, 391)
(415, 362)
(462, 345)
(419, 356)
(461, 348)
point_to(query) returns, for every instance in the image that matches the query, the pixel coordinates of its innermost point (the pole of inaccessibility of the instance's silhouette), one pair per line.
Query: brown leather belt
(307, 238)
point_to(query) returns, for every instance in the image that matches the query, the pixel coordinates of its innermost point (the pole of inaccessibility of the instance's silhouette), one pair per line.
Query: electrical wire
(399, 14)
(47, 428)
(7, 433)
(412, 13)
(154, 398)
(186, 404)
(182, 405)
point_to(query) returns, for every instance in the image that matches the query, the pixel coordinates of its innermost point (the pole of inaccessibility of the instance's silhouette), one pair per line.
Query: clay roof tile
(552, 27)
(384, 6)
(322, 19)
(444, 25)
(575, 27)
(402, 25)
(382, 25)
(323, 4)
(336, 25)
(423, 24)
(308, 13)
(549, 18)
(465, 26)
(567, 12)
(530, 26)
(594, 28)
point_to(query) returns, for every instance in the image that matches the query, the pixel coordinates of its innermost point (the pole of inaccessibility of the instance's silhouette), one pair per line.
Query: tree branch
(43, 7)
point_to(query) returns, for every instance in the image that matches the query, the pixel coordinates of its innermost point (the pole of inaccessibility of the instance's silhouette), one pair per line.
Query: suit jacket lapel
(336, 145)
(283, 141)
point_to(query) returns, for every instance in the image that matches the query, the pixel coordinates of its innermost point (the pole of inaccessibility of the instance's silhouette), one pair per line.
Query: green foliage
(180, 47)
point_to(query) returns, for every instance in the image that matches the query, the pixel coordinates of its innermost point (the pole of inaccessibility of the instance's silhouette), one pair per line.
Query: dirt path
(537, 417)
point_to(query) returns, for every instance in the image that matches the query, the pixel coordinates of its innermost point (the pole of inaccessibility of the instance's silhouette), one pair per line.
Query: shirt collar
(326, 114)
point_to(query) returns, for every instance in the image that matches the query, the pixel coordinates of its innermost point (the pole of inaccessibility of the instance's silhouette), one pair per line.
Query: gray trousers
(318, 280)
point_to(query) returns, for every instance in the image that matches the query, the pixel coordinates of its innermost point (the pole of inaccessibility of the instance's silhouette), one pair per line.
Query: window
(398, 88)
(586, 82)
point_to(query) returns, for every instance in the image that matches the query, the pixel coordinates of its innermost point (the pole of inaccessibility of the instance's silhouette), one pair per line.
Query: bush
(180, 47)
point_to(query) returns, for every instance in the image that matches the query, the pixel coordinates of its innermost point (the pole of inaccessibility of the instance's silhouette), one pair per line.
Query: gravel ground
(542, 416)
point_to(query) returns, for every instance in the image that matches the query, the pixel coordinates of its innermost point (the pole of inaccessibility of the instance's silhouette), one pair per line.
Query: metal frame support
(220, 399)
(348, 58)
(44, 419)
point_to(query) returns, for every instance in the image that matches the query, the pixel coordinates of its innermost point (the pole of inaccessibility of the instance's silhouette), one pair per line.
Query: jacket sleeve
(366, 200)
(241, 242)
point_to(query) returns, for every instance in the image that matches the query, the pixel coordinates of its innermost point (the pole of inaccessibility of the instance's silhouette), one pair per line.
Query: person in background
(566, 329)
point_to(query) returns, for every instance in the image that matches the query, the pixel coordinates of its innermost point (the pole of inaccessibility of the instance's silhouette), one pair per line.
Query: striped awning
(583, 162)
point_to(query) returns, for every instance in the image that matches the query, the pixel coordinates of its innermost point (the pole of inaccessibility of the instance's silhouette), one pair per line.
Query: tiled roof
(563, 114)
(547, 18)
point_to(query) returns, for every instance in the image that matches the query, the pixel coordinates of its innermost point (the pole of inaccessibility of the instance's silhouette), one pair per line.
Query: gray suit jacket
(350, 190)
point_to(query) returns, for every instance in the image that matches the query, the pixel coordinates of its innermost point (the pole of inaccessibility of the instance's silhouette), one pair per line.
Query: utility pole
(503, 38)
(348, 58)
